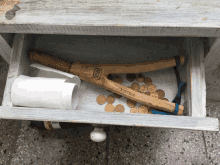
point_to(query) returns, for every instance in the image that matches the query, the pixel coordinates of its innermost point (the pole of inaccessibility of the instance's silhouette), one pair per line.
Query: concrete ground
(20, 144)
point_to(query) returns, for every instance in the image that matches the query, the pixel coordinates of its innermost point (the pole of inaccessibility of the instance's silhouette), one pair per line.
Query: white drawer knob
(98, 135)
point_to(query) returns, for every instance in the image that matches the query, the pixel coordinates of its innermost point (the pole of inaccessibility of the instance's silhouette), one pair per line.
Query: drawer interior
(116, 49)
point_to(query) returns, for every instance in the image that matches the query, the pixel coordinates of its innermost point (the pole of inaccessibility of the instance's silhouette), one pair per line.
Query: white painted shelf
(115, 17)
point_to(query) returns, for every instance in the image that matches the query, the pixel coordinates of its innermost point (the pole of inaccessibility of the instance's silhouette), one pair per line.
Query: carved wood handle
(97, 75)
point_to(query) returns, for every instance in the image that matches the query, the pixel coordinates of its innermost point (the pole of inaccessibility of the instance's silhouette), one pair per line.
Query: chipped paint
(74, 121)
(205, 18)
(6, 5)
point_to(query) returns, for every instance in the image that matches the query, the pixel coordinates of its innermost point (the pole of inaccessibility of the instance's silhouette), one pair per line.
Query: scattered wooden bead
(143, 109)
(130, 77)
(110, 99)
(165, 99)
(147, 93)
(117, 95)
(119, 108)
(134, 110)
(135, 86)
(143, 88)
(161, 93)
(131, 103)
(148, 81)
(140, 77)
(117, 79)
(109, 108)
(154, 94)
(152, 88)
(101, 99)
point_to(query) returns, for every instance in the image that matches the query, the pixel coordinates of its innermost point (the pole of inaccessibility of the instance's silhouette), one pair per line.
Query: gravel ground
(20, 144)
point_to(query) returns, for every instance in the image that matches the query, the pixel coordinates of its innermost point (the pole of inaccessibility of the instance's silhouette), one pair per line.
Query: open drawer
(106, 49)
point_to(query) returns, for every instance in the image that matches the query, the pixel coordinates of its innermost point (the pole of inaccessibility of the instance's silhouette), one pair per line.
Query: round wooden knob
(140, 77)
(154, 94)
(130, 77)
(161, 93)
(143, 88)
(109, 108)
(152, 88)
(135, 86)
(101, 99)
(110, 99)
(143, 109)
(134, 110)
(148, 81)
(119, 108)
(131, 103)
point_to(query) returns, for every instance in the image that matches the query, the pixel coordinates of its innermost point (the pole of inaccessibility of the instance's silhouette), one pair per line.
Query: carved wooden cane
(97, 75)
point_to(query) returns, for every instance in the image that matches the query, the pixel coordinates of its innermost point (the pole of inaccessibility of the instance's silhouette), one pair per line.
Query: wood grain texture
(5, 49)
(19, 64)
(116, 17)
(195, 97)
(113, 118)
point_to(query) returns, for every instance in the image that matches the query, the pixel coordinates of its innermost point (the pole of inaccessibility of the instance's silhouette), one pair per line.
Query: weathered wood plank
(195, 97)
(19, 64)
(118, 17)
(5, 49)
(114, 118)
(212, 69)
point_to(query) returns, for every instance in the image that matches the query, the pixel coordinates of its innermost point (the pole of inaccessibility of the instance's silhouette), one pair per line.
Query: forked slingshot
(97, 75)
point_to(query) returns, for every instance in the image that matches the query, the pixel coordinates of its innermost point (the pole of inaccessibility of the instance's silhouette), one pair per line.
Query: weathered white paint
(114, 118)
(116, 17)
(195, 97)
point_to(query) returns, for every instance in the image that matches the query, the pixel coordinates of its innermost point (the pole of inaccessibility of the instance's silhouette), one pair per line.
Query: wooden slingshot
(97, 75)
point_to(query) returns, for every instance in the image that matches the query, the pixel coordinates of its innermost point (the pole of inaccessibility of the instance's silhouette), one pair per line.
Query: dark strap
(181, 88)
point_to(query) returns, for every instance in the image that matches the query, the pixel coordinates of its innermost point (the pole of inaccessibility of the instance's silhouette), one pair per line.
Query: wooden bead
(161, 93)
(131, 103)
(152, 88)
(135, 86)
(140, 77)
(117, 79)
(109, 108)
(150, 112)
(110, 99)
(117, 95)
(143, 88)
(119, 108)
(134, 110)
(148, 81)
(154, 94)
(147, 93)
(101, 99)
(165, 99)
(130, 77)
(143, 109)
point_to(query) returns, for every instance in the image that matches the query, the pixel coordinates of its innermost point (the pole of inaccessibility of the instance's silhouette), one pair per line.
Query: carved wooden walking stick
(97, 75)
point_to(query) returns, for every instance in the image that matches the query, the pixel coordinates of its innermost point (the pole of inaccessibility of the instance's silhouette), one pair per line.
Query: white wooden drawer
(109, 49)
